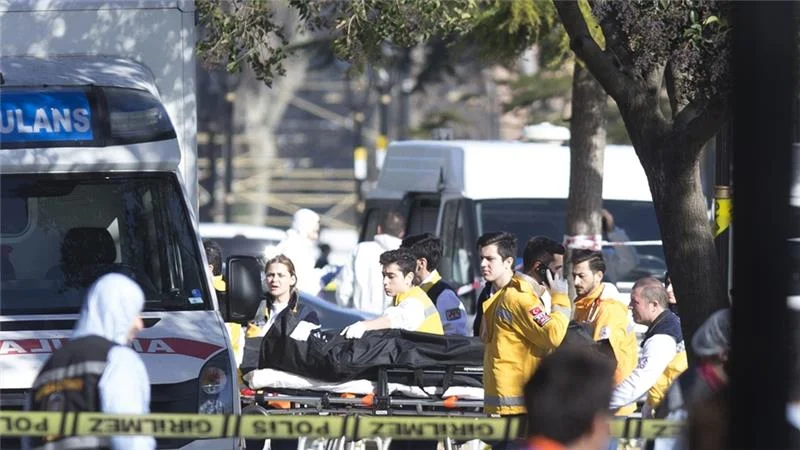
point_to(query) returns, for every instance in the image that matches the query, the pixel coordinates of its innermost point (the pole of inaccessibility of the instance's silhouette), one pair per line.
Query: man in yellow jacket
(516, 329)
(604, 316)
(235, 331)
(411, 308)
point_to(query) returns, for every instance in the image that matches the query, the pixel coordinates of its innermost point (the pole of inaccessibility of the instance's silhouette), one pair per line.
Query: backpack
(579, 335)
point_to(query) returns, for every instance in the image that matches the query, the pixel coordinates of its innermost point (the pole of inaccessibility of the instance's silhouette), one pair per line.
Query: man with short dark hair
(517, 331)
(411, 308)
(214, 257)
(360, 283)
(663, 357)
(542, 254)
(602, 314)
(427, 248)
(567, 401)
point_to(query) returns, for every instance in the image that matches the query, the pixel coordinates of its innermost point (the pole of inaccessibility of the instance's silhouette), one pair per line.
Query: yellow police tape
(257, 426)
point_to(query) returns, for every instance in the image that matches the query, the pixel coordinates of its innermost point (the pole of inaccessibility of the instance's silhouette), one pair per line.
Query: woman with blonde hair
(281, 300)
(282, 295)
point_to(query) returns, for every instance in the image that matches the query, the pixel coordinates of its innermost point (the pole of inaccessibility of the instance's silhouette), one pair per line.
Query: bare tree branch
(603, 65)
(700, 120)
(676, 92)
(670, 79)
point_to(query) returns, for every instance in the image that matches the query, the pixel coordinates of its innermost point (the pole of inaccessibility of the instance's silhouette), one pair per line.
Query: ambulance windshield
(59, 232)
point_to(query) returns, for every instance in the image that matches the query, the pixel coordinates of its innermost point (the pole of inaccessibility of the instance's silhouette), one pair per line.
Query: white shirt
(408, 315)
(657, 352)
(276, 309)
(360, 283)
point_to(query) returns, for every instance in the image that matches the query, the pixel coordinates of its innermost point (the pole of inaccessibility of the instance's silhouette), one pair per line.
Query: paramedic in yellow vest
(235, 331)
(516, 329)
(663, 357)
(605, 317)
(411, 308)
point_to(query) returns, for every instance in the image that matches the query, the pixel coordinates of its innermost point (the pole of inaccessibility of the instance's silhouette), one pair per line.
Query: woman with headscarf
(711, 345)
(97, 370)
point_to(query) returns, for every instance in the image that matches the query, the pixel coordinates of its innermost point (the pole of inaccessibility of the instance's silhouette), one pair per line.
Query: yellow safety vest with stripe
(518, 333)
(432, 323)
(678, 365)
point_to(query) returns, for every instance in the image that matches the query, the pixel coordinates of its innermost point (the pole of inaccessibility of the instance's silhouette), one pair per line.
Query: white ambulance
(97, 170)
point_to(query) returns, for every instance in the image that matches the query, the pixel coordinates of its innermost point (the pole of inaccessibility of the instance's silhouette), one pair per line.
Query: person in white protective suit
(301, 247)
(99, 352)
(360, 283)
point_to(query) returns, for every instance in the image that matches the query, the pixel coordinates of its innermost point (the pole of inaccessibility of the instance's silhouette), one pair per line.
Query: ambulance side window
(14, 216)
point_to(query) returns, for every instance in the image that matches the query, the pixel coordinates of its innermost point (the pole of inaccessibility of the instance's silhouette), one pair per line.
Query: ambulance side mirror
(243, 278)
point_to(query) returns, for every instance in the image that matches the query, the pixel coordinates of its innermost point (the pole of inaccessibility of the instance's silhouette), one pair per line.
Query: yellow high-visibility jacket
(678, 365)
(517, 333)
(433, 322)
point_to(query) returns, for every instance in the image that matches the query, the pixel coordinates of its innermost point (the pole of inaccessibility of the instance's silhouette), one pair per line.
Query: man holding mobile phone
(541, 255)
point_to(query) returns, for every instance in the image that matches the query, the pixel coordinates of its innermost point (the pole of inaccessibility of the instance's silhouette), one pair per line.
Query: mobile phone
(542, 272)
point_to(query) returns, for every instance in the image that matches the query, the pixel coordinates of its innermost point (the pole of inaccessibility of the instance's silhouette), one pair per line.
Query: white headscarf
(112, 304)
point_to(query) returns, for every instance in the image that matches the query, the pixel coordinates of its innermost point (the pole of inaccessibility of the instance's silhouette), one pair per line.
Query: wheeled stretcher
(396, 391)
(385, 372)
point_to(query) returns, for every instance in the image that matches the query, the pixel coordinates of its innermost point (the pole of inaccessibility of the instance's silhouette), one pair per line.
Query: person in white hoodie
(301, 247)
(360, 283)
(97, 370)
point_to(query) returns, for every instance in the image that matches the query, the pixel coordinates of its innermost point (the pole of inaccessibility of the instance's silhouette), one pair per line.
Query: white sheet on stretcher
(276, 379)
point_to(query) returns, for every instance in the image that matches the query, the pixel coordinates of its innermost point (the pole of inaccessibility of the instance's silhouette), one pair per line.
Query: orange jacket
(608, 319)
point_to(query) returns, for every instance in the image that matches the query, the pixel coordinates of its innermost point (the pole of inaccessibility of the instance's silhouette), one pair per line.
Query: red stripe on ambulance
(161, 346)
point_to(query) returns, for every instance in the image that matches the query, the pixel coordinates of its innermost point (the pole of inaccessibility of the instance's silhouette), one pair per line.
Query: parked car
(241, 239)
(332, 315)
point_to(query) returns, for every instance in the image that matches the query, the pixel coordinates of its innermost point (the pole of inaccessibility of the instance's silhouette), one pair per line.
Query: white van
(97, 154)
(462, 189)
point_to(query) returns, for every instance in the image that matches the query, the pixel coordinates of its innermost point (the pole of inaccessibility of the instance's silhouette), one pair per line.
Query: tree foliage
(238, 32)
(688, 41)
(245, 31)
(683, 46)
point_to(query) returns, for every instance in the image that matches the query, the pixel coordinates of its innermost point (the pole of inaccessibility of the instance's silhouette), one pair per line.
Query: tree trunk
(587, 145)
(686, 234)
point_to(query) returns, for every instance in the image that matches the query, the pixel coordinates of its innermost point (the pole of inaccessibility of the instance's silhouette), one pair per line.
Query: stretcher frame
(380, 403)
